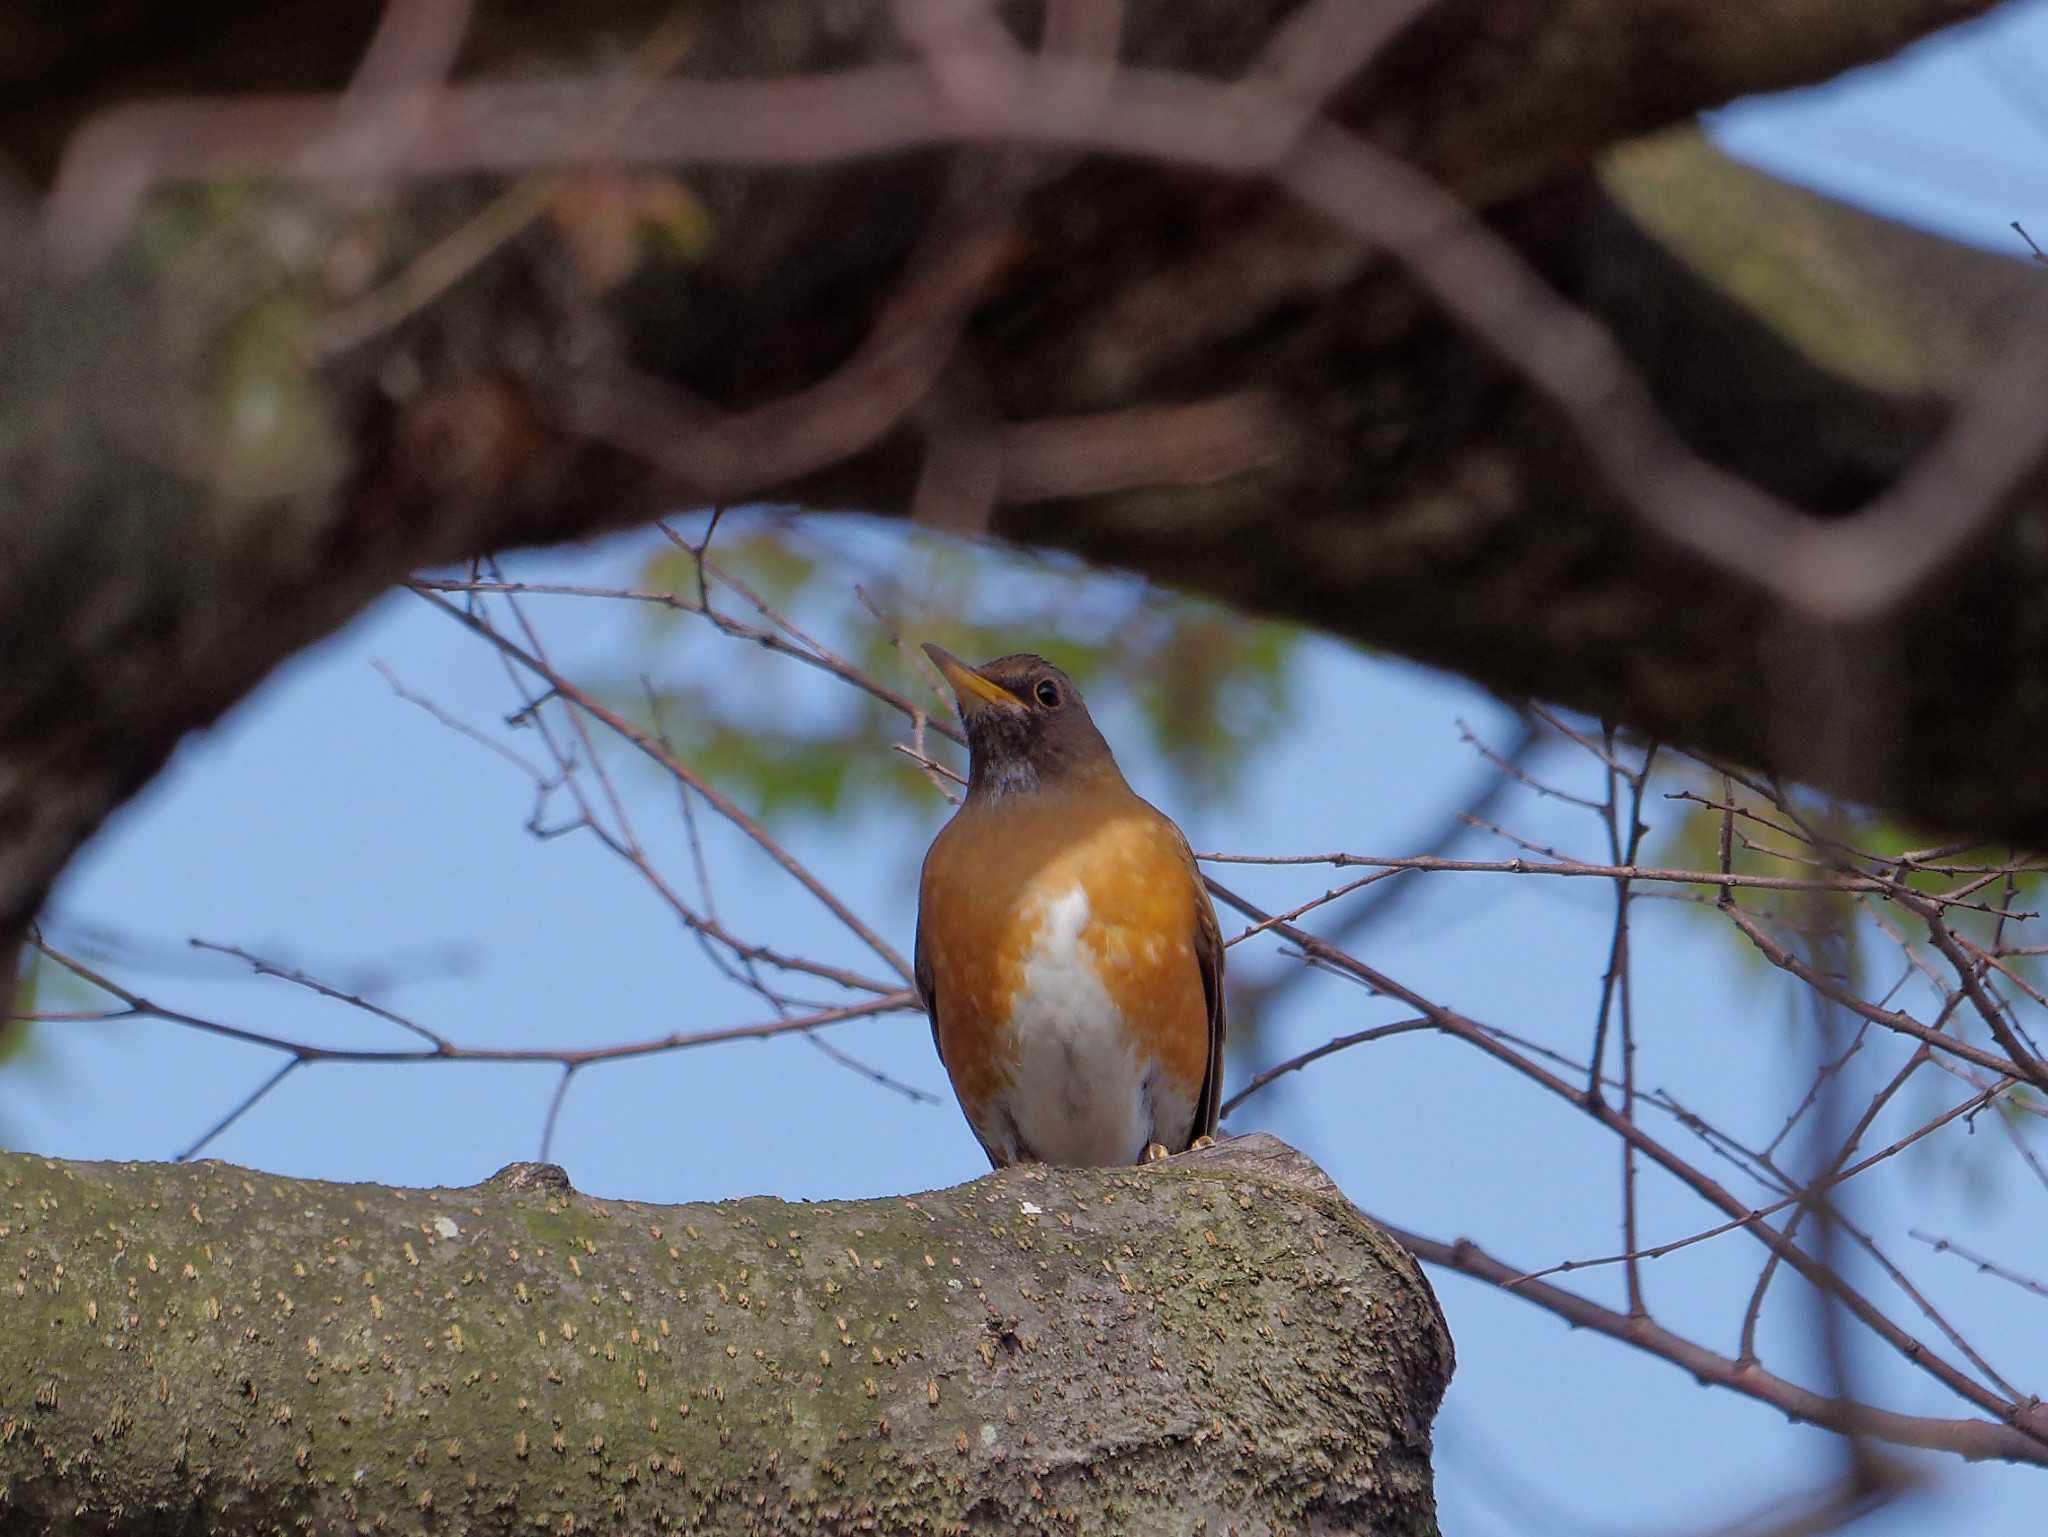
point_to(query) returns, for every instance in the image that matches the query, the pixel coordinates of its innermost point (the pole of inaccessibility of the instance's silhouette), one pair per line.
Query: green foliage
(1202, 686)
(39, 987)
(273, 432)
(22, 974)
(250, 284)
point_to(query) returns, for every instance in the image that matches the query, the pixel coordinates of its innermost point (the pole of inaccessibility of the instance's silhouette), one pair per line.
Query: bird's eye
(1048, 693)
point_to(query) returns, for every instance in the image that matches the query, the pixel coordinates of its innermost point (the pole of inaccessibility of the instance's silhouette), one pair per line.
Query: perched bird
(1066, 949)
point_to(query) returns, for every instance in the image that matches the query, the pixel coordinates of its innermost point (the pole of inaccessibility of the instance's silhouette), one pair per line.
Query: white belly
(1080, 1095)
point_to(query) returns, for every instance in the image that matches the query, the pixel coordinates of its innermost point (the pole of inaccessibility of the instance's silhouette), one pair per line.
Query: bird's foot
(1154, 1153)
(1201, 1142)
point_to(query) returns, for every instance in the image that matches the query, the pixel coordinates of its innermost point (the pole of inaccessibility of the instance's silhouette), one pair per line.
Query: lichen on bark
(210, 1348)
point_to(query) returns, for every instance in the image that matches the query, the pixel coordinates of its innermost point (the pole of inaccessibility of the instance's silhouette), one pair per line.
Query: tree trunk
(207, 1348)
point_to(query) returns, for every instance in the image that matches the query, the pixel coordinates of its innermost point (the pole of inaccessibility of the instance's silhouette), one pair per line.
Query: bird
(1067, 952)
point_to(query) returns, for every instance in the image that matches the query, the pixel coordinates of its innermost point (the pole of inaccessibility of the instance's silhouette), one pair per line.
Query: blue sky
(329, 823)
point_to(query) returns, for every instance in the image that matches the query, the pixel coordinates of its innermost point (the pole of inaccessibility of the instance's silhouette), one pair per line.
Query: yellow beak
(975, 693)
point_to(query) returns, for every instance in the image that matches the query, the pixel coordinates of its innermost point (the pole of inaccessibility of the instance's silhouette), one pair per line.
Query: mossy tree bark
(207, 1348)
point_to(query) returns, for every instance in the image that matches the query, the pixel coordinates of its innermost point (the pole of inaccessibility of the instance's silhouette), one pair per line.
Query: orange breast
(988, 881)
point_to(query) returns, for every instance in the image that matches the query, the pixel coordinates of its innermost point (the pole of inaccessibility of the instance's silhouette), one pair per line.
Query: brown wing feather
(921, 978)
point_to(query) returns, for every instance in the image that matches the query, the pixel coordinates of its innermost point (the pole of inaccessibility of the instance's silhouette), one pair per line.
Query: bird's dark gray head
(1027, 727)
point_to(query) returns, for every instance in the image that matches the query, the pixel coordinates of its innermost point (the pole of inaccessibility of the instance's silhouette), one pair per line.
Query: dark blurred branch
(1188, 356)
(1251, 1000)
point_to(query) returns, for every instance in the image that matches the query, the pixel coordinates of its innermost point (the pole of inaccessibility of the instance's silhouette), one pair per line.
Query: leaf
(23, 971)
(610, 220)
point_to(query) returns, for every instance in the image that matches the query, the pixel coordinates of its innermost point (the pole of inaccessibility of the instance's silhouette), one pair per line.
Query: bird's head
(1027, 728)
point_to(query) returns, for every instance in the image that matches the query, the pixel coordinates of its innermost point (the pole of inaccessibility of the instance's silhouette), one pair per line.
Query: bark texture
(204, 1348)
(194, 489)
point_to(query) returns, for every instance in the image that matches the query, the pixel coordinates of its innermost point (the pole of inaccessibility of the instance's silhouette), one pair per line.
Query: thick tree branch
(1223, 1337)
(1189, 375)
(1497, 99)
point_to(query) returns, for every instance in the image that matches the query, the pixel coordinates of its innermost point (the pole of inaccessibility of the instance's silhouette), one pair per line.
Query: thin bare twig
(1984, 1266)
(713, 797)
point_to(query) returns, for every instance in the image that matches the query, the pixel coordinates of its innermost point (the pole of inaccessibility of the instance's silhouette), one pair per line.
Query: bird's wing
(921, 978)
(927, 994)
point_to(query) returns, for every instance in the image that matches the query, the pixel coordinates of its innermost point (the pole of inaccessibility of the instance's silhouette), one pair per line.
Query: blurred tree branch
(1183, 373)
